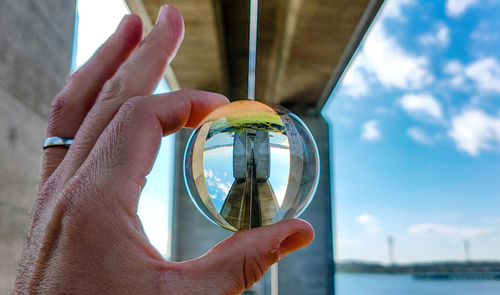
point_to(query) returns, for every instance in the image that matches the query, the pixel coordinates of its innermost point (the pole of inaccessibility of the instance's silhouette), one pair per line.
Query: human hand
(85, 235)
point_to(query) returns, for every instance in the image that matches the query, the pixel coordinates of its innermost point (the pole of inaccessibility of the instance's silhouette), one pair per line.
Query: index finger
(126, 151)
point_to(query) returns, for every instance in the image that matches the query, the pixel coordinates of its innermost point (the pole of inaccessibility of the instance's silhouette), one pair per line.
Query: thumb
(236, 263)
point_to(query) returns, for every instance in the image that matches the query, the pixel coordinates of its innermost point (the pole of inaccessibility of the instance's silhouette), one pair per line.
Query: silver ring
(57, 141)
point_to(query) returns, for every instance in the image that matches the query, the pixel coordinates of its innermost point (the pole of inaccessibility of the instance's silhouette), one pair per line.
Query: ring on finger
(57, 141)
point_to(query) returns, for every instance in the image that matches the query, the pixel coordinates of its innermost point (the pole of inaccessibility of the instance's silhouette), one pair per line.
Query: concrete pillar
(309, 271)
(192, 233)
(35, 56)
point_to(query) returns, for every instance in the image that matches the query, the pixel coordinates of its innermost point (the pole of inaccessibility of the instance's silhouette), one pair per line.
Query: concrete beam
(281, 49)
(235, 21)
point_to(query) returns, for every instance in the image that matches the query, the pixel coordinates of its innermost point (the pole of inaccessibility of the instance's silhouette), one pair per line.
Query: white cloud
(393, 8)
(384, 60)
(453, 67)
(370, 223)
(443, 35)
(208, 173)
(452, 231)
(473, 131)
(440, 38)
(482, 74)
(486, 32)
(224, 187)
(485, 73)
(419, 135)
(370, 131)
(421, 106)
(456, 8)
(354, 82)
(458, 82)
(365, 219)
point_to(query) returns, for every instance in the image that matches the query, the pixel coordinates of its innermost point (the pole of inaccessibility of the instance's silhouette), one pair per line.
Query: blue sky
(416, 135)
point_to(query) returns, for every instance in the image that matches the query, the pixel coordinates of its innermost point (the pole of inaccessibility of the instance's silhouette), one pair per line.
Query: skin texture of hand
(86, 237)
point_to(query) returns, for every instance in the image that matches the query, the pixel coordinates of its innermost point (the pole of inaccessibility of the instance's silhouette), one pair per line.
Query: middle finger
(138, 76)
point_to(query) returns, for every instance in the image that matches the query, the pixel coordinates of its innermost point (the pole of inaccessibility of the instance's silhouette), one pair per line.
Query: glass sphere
(251, 164)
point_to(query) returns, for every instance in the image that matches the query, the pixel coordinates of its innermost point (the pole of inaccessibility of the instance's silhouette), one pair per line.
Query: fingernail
(162, 16)
(294, 241)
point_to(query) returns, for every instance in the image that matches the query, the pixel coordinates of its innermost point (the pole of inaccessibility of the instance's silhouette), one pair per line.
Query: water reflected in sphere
(251, 164)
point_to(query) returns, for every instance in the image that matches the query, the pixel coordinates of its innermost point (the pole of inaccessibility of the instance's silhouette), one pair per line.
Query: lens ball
(251, 164)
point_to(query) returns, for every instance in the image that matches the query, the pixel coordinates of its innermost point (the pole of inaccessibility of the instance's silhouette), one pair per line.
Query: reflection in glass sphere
(251, 164)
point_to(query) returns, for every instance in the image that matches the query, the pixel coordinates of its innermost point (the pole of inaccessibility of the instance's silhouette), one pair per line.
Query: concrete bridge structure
(302, 49)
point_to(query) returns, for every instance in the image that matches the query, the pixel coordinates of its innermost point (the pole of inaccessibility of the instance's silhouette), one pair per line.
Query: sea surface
(403, 284)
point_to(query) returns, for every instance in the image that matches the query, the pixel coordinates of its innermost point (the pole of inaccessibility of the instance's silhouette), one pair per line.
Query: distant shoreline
(434, 267)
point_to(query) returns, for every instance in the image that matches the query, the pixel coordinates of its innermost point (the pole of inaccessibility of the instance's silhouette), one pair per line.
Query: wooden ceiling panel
(200, 62)
(322, 31)
(301, 49)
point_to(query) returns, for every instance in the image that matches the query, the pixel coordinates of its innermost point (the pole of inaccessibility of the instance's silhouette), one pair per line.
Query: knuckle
(255, 266)
(136, 110)
(113, 88)
(132, 105)
(146, 41)
(74, 202)
(75, 76)
(58, 205)
(69, 200)
(130, 111)
(175, 120)
(59, 107)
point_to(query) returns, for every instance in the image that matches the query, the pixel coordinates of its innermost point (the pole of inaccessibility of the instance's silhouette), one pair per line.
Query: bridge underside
(302, 46)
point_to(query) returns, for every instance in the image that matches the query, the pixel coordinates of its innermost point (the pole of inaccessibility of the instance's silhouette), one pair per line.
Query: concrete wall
(35, 54)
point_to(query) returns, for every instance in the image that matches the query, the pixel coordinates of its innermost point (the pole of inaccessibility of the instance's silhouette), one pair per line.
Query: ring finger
(72, 104)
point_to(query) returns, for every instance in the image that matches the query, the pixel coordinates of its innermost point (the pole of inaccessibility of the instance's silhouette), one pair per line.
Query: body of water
(403, 284)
